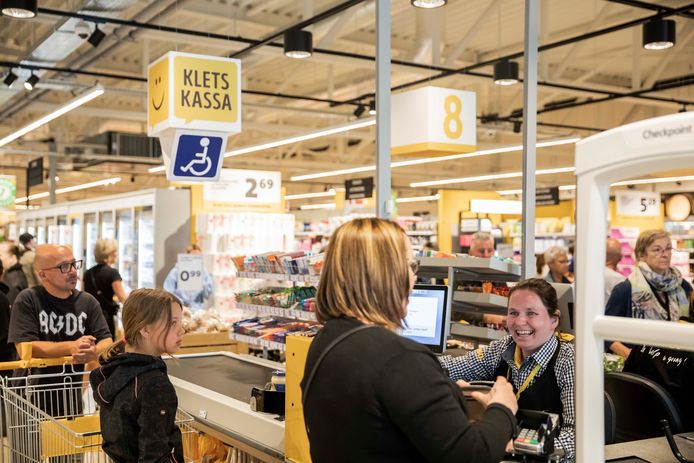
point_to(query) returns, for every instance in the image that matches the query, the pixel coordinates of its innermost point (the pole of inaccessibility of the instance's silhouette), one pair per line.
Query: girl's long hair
(143, 307)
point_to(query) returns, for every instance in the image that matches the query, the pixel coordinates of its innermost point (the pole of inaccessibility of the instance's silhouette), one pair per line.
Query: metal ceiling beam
(652, 7)
(300, 25)
(542, 48)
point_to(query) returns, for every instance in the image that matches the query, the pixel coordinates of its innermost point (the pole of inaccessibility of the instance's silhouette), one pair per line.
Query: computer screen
(565, 297)
(428, 316)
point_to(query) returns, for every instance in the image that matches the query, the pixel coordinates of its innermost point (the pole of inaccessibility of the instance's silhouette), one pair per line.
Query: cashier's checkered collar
(542, 356)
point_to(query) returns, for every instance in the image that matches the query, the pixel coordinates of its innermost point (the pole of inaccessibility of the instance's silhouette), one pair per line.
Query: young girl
(138, 402)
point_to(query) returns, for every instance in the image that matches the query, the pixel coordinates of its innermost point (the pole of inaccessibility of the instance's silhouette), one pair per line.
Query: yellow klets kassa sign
(431, 121)
(194, 92)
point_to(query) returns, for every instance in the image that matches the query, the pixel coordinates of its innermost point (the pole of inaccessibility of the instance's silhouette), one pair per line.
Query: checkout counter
(215, 388)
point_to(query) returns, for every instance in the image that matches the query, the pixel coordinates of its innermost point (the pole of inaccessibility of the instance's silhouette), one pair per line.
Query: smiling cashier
(538, 364)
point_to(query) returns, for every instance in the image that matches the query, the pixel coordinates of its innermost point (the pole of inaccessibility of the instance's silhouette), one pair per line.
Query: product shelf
(279, 311)
(481, 302)
(314, 279)
(471, 268)
(257, 342)
(420, 232)
(476, 332)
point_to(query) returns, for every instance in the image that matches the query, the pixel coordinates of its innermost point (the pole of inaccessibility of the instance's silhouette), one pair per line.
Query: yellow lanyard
(530, 377)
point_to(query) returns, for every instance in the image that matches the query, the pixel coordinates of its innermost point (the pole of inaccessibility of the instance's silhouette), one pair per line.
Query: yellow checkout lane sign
(193, 105)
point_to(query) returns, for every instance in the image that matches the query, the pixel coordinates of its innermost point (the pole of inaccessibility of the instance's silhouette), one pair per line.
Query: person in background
(557, 259)
(27, 260)
(14, 276)
(655, 290)
(540, 366)
(540, 266)
(371, 395)
(193, 300)
(138, 402)
(104, 282)
(613, 254)
(7, 351)
(58, 321)
(482, 245)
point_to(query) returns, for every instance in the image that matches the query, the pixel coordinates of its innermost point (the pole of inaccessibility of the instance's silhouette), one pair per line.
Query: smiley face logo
(157, 106)
(157, 92)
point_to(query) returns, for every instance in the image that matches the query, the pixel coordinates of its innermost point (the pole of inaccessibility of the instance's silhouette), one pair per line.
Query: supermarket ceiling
(590, 83)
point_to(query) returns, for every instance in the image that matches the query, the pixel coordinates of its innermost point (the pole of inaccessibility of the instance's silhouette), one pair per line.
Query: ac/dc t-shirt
(36, 315)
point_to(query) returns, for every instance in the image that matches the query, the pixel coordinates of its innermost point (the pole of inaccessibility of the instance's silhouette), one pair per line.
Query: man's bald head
(49, 255)
(613, 252)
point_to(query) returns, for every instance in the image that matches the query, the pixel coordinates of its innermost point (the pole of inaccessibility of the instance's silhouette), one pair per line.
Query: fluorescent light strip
(640, 181)
(86, 97)
(361, 123)
(321, 194)
(482, 178)
(413, 162)
(84, 186)
(415, 199)
(308, 207)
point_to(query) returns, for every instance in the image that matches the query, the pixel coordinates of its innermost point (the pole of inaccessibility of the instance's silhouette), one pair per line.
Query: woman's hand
(501, 393)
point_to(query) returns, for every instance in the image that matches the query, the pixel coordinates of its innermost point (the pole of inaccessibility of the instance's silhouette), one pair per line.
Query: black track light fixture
(96, 37)
(20, 9)
(31, 82)
(372, 107)
(659, 34)
(505, 72)
(9, 78)
(359, 111)
(298, 44)
(428, 3)
(517, 126)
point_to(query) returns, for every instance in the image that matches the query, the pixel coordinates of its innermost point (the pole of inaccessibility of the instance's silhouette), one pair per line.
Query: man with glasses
(59, 321)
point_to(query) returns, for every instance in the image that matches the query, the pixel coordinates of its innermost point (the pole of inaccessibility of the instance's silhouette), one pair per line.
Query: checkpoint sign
(196, 156)
(198, 92)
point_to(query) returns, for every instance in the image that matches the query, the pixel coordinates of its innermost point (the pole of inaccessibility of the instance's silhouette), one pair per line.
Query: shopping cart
(54, 417)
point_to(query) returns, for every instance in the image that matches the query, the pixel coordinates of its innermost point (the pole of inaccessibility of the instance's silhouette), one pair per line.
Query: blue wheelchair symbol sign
(197, 156)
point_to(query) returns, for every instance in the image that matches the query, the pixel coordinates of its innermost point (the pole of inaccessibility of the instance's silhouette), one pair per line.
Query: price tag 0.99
(189, 272)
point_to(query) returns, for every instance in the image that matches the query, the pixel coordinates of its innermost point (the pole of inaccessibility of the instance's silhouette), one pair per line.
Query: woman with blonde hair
(104, 282)
(371, 395)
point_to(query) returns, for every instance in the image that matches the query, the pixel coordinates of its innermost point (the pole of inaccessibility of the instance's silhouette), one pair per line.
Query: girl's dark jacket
(138, 409)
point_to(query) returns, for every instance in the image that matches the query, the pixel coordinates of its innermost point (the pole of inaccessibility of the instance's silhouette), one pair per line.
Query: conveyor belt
(225, 375)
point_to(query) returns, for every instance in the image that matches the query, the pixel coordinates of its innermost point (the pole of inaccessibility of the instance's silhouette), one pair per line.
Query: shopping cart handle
(28, 362)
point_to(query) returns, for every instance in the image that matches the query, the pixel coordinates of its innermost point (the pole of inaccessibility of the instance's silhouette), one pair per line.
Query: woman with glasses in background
(655, 290)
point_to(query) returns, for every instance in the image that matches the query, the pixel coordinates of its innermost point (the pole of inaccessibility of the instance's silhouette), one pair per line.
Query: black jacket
(379, 397)
(16, 281)
(138, 409)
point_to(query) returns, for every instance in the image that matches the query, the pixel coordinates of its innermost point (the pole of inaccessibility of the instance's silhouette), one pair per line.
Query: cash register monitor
(565, 297)
(428, 316)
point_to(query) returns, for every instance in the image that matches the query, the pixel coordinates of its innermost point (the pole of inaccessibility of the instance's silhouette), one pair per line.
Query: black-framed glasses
(414, 265)
(65, 267)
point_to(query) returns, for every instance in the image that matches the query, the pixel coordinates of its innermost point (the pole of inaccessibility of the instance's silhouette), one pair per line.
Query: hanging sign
(189, 272)
(547, 196)
(35, 172)
(359, 188)
(245, 187)
(193, 105)
(433, 121)
(638, 203)
(8, 191)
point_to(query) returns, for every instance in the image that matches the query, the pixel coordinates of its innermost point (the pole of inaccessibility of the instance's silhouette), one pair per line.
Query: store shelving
(257, 342)
(291, 312)
(481, 302)
(483, 269)
(314, 279)
(476, 332)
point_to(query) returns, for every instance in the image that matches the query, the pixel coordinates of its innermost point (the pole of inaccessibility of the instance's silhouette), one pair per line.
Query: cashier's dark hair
(366, 273)
(142, 308)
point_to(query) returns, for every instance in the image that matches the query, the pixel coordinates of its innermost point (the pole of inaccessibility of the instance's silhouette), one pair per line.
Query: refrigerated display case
(151, 227)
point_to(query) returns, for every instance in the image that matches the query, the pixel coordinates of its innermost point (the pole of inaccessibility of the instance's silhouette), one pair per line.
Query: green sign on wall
(8, 191)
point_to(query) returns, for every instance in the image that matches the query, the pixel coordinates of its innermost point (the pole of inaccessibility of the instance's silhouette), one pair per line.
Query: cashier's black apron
(543, 394)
